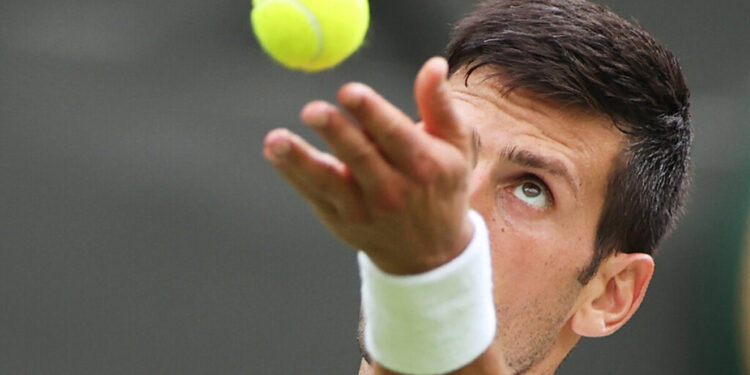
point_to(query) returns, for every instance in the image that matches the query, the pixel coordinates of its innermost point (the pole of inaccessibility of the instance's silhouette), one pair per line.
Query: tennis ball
(310, 35)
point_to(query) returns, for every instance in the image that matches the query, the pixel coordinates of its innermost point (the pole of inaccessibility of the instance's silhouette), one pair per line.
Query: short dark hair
(581, 54)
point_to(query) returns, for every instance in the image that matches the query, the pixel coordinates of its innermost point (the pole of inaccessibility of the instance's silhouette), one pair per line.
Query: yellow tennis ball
(310, 35)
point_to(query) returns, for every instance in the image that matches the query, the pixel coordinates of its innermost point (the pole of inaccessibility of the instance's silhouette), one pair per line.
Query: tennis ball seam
(312, 19)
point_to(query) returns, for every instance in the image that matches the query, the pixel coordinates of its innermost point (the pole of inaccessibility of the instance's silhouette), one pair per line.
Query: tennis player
(520, 213)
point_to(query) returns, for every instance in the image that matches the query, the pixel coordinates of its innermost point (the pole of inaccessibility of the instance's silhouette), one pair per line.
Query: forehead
(587, 143)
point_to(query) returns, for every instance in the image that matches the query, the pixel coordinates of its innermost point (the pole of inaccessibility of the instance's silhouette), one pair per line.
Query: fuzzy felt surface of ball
(310, 35)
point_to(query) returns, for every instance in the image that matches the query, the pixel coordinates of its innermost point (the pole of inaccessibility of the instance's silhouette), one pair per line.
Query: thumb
(434, 104)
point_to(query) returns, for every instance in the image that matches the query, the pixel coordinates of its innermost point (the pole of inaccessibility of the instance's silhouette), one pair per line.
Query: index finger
(435, 107)
(393, 131)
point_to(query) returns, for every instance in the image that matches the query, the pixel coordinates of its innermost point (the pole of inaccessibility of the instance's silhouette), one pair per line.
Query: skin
(536, 171)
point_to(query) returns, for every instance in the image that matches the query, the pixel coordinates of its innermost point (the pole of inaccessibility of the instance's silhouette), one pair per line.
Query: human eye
(533, 192)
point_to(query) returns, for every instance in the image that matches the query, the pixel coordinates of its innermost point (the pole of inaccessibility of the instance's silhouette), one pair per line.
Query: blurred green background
(141, 231)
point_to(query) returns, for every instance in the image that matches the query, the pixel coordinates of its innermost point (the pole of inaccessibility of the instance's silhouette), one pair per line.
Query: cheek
(518, 267)
(530, 268)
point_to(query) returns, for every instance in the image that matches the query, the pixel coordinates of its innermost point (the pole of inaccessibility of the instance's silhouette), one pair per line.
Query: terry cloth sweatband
(434, 322)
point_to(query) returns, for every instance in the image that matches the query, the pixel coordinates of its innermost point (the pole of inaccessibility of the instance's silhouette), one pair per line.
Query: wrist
(432, 259)
(434, 322)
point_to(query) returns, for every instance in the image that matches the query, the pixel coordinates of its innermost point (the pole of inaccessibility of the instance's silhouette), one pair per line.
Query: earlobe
(613, 295)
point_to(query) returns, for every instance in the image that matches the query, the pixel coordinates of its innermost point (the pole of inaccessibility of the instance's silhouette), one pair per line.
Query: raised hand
(395, 190)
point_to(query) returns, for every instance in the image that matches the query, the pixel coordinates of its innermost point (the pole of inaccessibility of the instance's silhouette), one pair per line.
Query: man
(563, 126)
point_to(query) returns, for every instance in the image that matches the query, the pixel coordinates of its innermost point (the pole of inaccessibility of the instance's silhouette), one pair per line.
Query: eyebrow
(526, 158)
(530, 159)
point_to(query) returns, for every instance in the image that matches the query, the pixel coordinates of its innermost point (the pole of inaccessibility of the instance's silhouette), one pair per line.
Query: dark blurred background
(141, 231)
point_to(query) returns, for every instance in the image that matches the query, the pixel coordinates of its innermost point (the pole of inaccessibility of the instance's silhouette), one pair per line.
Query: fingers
(392, 130)
(319, 177)
(349, 144)
(386, 147)
(434, 104)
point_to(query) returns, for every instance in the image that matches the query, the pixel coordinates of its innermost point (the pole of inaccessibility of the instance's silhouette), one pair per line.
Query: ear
(613, 295)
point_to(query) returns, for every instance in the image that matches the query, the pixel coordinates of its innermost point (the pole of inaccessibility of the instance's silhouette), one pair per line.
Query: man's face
(539, 180)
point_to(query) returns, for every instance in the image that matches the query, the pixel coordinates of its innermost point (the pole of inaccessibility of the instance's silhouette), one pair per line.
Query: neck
(491, 361)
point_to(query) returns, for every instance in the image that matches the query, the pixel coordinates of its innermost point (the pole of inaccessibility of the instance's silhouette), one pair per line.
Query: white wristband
(435, 322)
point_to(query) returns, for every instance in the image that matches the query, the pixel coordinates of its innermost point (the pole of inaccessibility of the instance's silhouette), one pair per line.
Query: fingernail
(355, 95)
(318, 118)
(280, 148)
